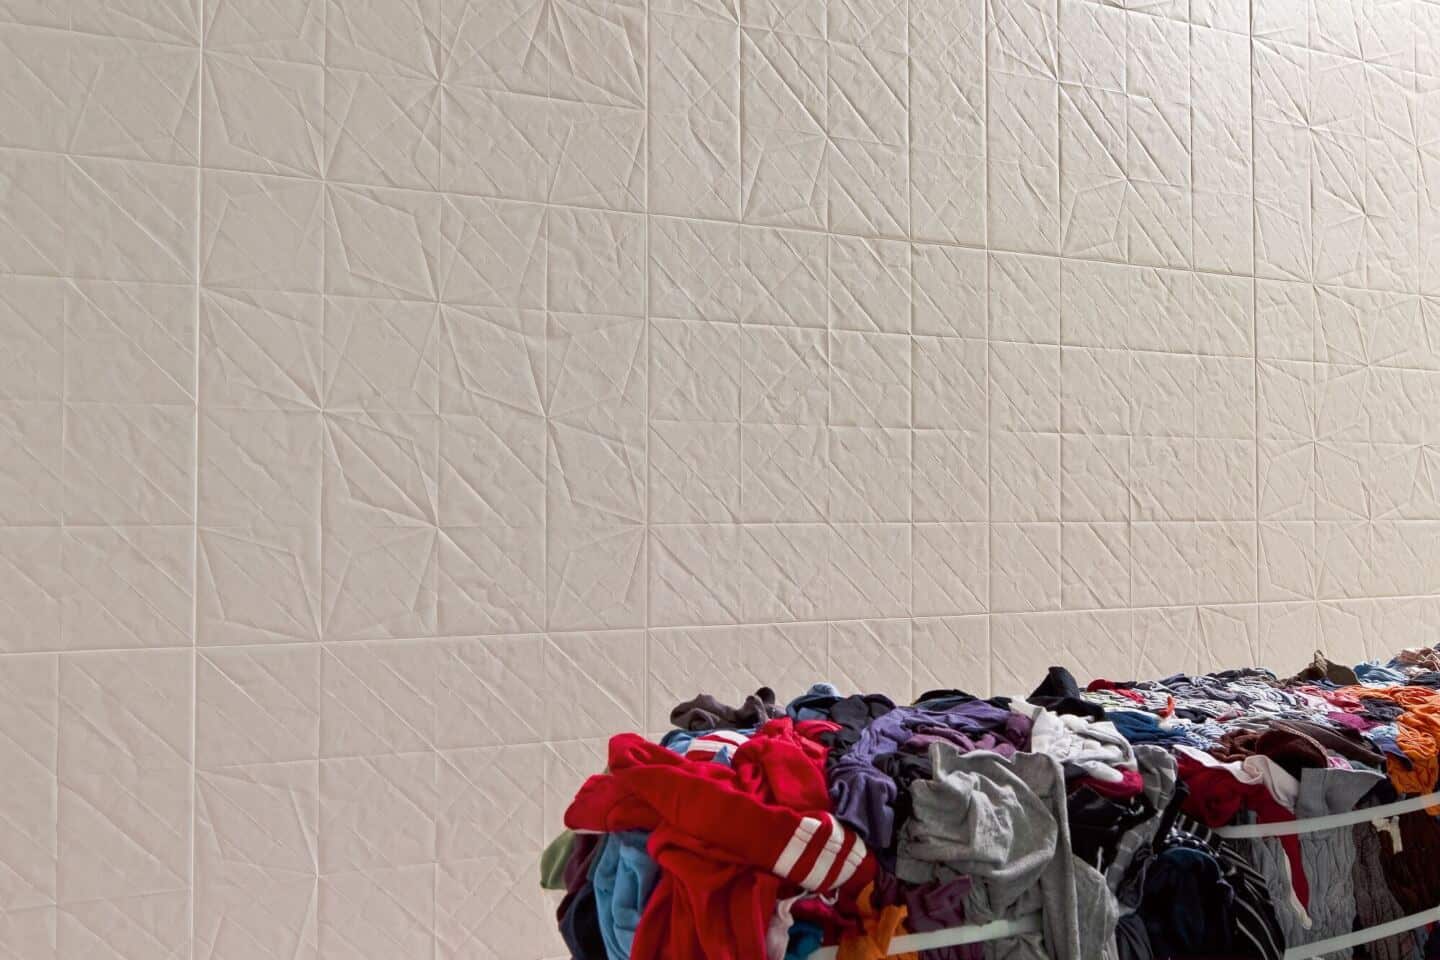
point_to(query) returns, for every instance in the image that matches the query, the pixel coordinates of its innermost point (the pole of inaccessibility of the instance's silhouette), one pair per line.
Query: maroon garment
(1293, 751)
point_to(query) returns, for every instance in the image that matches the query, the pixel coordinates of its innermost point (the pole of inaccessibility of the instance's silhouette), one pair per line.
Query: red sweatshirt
(729, 840)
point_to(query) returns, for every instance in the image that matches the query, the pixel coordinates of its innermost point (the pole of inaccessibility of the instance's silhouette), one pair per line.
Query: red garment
(1113, 688)
(1216, 796)
(836, 925)
(728, 840)
(1130, 784)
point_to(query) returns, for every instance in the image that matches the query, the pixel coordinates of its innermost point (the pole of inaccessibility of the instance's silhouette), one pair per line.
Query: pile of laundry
(765, 831)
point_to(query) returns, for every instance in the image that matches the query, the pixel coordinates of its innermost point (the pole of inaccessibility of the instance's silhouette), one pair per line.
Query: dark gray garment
(1157, 772)
(1374, 902)
(1001, 821)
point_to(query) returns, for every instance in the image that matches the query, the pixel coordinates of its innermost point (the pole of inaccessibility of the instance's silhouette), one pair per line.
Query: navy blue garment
(1059, 693)
(1132, 940)
(577, 913)
(1141, 728)
(1188, 905)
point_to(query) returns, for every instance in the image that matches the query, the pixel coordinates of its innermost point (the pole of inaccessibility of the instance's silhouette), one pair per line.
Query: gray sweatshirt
(1002, 822)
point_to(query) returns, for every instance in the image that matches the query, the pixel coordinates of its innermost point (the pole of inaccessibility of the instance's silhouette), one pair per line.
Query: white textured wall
(397, 397)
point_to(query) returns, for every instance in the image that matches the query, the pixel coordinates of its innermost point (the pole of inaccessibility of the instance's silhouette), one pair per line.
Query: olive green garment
(553, 860)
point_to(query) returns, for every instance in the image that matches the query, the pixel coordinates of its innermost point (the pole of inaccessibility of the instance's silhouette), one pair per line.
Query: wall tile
(126, 587)
(256, 28)
(949, 651)
(601, 676)
(949, 476)
(870, 285)
(1024, 387)
(949, 382)
(378, 698)
(1095, 478)
(382, 130)
(1095, 565)
(951, 563)
(1025, 477)
(870, 472)
(1024, 298)
(258, 585)
(264, 116)
(125, 733)
(870, 380)
(871, 573)
(1025, 567)
(259, 705)
(129, 343)
(869, 648)
(949, 295)
(262, 233)
(789, 571)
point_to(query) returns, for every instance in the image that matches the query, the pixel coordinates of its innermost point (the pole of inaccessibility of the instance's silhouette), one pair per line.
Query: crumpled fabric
(880, 923)
(1139, 728)
(777, 934)
(1425, 657)
(623, 876)
(1372, 672)
(1321, 668)
(1094, 746)
(1327, 857)
(721, 835)
(1157, 770)
(1059, 692)
(936, 906)
(1188, 904)
(1294, 752)
(863, 796)
(814, 703)
(576, 913)
(805, 939)
(1416, 735)
(1374, 902)
(704, 712)
(553, 860)
(1001, 821)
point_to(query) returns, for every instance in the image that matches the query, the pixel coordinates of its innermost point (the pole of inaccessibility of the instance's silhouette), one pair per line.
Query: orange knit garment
(1418, 735)
(879, 928)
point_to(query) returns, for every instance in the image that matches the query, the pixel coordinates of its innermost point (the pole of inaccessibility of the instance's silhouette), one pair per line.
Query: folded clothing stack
(758, 831)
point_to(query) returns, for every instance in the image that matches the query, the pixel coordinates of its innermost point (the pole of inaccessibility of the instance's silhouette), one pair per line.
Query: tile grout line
(195, 487)
(647, 331)
(1254, 329)
(438, 319)
(985, 27)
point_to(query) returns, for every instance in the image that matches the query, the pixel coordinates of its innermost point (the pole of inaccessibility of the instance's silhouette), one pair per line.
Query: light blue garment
(814, 703)
(623, 875)
(679, 741)
(1373, 672)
